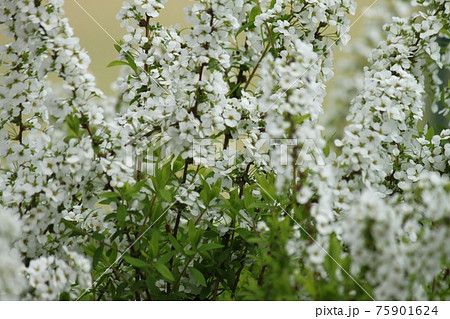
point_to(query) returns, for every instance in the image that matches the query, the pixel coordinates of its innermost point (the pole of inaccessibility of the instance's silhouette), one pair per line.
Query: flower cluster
(393, 246)
(50, 276)
(353, 59)
(390, 165)
(46, 170)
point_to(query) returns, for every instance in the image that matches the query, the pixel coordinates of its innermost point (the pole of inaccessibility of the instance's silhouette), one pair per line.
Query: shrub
(210, 176)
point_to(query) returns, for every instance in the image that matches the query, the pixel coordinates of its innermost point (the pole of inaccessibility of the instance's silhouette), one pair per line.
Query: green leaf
(131, 62)
(109, 198)
(189, 252)
(249, 200)
(215, 190)
(208, 192)
(430, 133)
(118, 48)
(165, 195)
(64, 296)
(121, 215)
(272, 4)
(204, 196)
(302, 118)
(134, 100)
(98, 236)
(135, 262)
(267, 186)
(164, 259)
(244, 233)
(198, 276)
(137, 187)
(210, 246)
(164, 271)
(248, 25)
(75, 230)
(73, 122)
(335, 250)
(154, 244)
(109, 195)
(97, 256)
(256, 10)
(176, 244)
(116, 63)
(112, 253)
(194, 234)
(177, 165)
(326, 150)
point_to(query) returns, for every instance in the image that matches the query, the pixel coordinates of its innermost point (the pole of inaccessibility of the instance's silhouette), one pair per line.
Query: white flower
(292, 247)
(231, 117)
(315, 253)
(261, 226)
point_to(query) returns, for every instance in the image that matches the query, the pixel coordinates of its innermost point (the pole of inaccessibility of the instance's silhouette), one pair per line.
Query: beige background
(99, 44)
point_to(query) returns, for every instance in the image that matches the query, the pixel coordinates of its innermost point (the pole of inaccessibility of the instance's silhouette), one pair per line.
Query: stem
(176, 282)
(199, 91)
(238, 275)
(147, 33)
(294, 157)
(88, 129)
(216, 288)
(177, 221)
(186, 164)
(256, 66)
(317, 33)
(240, 79)
(21, 127)
(226, 141)
(175, 233)
(199, 217)
(139, 170)
(145, 135)
(270, 35)
(196, 172)
(261, 275)
(177, 224)
(241, 189)
(147, 216)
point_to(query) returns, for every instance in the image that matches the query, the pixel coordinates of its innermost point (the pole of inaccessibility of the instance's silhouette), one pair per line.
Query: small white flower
(315, 253)
(231, 117)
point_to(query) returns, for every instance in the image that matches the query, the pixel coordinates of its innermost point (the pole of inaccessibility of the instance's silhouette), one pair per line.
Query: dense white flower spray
(354, 57)
(45, 171)
(390, 164)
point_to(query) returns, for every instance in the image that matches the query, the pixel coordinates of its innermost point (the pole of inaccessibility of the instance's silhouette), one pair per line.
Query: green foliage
(202, 262)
